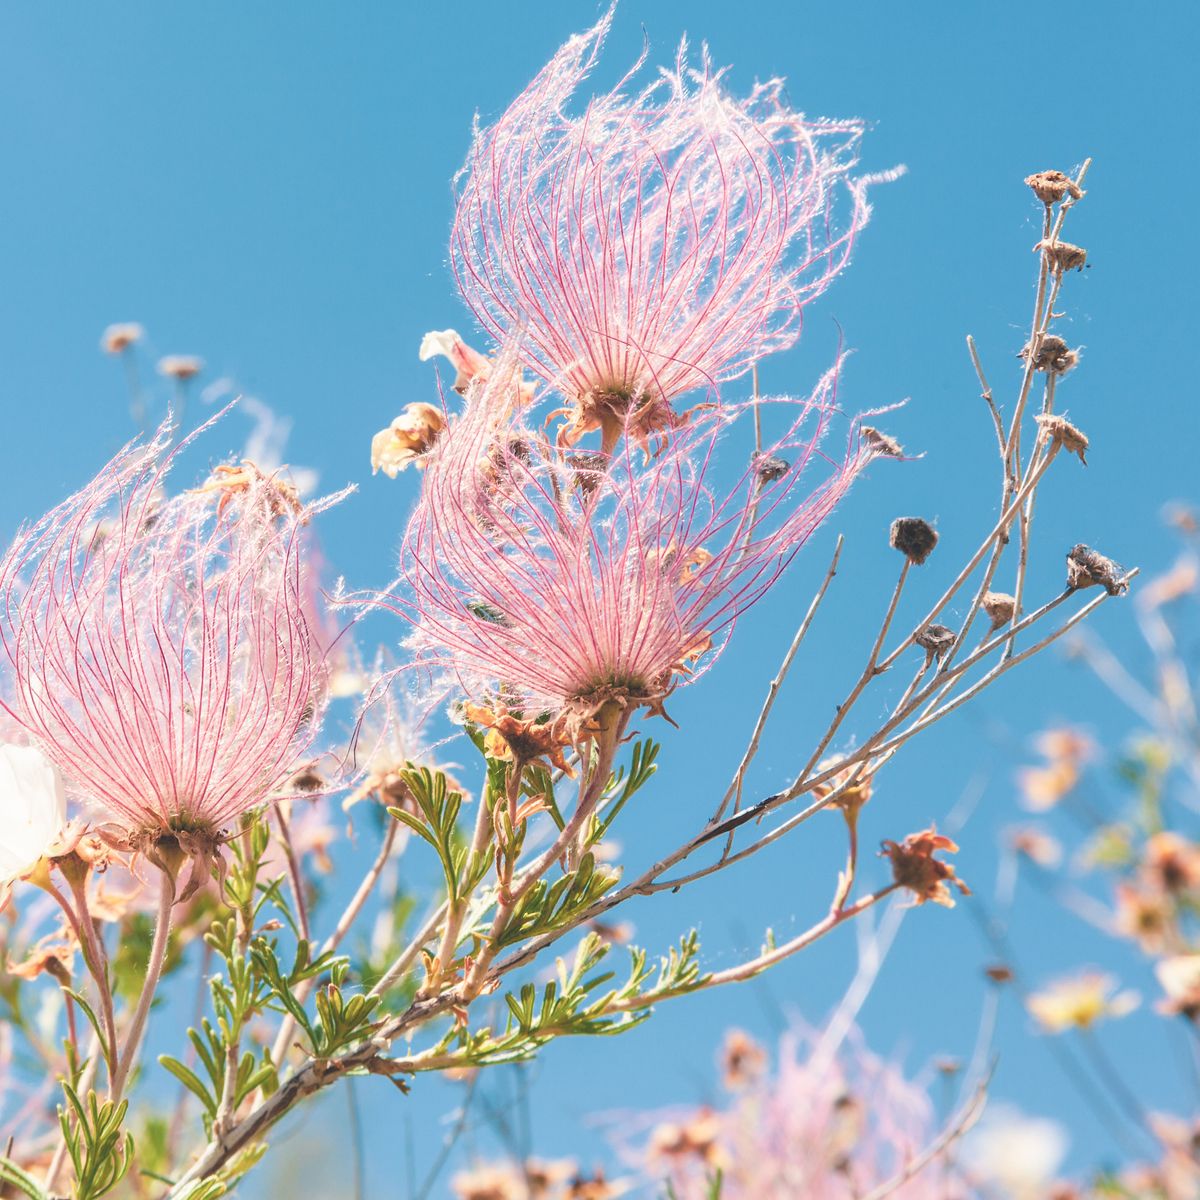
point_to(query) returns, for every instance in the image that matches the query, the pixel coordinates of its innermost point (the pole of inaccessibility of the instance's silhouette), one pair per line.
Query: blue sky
(267, 186)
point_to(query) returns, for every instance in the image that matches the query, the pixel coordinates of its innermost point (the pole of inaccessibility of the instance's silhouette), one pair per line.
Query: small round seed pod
(1052, 186)
(1000, 607)
(1058, 429)
(881, 443)
(1089, 568)
(914, 538)
(935, 640)
(1063, 256)
(768, 468)
(1053, 356)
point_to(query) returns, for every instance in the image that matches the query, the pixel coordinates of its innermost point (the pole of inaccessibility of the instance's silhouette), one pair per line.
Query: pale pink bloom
(660, 239)
(553, 582)
(821, 1126)
(159, 650)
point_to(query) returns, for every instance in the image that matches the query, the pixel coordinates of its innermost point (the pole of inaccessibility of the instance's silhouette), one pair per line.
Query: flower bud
(999, 607)
(914, 538)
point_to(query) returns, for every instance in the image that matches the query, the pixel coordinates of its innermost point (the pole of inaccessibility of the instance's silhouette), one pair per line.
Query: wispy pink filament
(659, 241)
(158, 648)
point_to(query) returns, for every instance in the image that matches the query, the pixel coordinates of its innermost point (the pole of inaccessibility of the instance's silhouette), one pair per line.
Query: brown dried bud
(914, 538)
(935, 640)
(881, 443)
(999, 607)
(1063, 256)
(998, 973)
(180, 366)
(1088, 568)
(118, 338)
(1059, 430)
(769, 467)
(1053, 355)
(1051, 186)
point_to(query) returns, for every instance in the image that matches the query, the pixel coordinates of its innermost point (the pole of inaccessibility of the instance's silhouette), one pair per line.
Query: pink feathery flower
(660, 241)
(160, 649)
(822, 1126)
(551, 582)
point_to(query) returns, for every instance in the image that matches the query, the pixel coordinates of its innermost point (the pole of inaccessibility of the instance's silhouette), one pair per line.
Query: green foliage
(100, 1152)
(642, 767)
(25, 1183)
(437, 823)
(577, 1003)
(547, 907)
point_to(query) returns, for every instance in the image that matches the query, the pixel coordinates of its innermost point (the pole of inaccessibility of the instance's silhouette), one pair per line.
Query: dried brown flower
(935, 640)
(1063, 256)
(914, 537)
(915, 868)
(1060, 431)
(1088, 568)
(1052, 186)
(1053, 355)
(881, 443)
(743, 1060)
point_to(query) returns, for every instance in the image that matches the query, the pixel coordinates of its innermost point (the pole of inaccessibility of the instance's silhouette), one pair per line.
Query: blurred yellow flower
(1079, 1002)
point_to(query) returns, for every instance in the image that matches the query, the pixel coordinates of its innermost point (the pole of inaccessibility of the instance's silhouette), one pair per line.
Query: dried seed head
(999, 607)
(1054, 355)
(1060, 431)
(1052, 186)
(914, 538)
(769, 467)
(881, 443)
(1063, 256)
(935, 640)
(117, 338)
(180, 366)
(1088, 568)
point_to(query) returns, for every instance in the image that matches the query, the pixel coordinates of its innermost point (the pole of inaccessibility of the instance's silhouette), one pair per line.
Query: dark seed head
(914, 538)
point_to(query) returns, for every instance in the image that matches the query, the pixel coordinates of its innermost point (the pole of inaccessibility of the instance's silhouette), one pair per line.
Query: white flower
(1016, 1155)
(33, 809)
